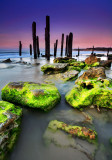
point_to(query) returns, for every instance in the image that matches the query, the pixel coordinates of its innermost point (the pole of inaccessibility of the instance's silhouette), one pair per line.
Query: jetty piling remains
(92, 50)
(34, 39)
(66, 48)
(55, 48)
(30, 50)
(62, 43)
(70, 42)
(37, 46)
(47, 38)
(20, 48)
(78, 51)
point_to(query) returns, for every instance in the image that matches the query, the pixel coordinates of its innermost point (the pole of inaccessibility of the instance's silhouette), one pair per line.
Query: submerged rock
(94, 91)
(106, 63)
(7, 61)
(54, 68)
(9, 127)
(92, 59)
(67, 136)
(34, 95)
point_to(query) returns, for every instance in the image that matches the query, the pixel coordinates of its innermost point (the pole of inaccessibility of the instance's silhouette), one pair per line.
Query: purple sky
(89, 20)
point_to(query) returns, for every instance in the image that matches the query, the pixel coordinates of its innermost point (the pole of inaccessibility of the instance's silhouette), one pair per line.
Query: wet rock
(10, 116)
(7, 61)
(92, 59)
(91, 92)
(35, 64)
(68, 75)
(34, 95)
(92, 73)
(54, 68)
(64, 60)
(106, 63)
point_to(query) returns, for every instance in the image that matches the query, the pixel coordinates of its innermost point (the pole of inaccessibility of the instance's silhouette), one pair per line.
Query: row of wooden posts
(35, 49)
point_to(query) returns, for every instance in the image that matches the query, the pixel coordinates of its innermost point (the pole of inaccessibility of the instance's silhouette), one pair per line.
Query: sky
(89, 20)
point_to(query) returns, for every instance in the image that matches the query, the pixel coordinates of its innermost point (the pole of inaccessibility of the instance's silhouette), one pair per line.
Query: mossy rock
(111, 141)
(96, 64)
(90, 92)
(10, 116)
(78, 64)
(34, 95)
(64, 60)
(54, 68)
(78, 131)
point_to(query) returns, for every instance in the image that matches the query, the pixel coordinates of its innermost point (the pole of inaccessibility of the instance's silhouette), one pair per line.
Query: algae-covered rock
(64, 60)
(78, 131)
(92, 59)
(34, 95)
(91, 92)
(92, 73)
(9, 127)
(54, 68)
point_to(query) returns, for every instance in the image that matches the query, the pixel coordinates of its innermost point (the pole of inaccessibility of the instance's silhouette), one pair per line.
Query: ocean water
(31, 143)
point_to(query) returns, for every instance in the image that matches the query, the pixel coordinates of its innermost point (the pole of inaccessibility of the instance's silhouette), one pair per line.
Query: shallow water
(31, 144)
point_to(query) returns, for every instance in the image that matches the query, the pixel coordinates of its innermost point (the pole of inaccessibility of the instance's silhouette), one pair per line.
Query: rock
(81, 132)
(35, 64)
(92, 59)
(7, 61)
(54, 68)
(106, 63)
(34, 95)
(91, 92)
(68, 75)
(92, 73)
(64, 60)
(10, 116)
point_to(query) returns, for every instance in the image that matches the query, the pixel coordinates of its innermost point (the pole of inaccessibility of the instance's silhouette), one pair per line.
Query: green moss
(90, 92)
(6, 106)
(10, 128)
(96, 64)
(78, 131)
(111, 141)
(43, 96)
(78, 64)
(74, 68)
(64, 60)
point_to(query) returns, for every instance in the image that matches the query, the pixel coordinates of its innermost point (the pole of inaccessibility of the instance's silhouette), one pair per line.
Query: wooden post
(34, 39)
(37, 46)
(62, 42)
(92, 50)
(47, 38)
(66, 48)
(78, 51)
(30, 50)
(70, 42)
(55, 48)
(20, 48)
(108, 52)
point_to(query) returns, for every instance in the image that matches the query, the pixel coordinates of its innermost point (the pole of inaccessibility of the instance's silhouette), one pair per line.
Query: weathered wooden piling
(92, 50)
(34, 39)
(20, 48)
(78, 51)
(62, 42)
(37, 46)
(30, 49)
(108, 52)
(66, 48)
(70, 42)
(47, 38)
(55, 48)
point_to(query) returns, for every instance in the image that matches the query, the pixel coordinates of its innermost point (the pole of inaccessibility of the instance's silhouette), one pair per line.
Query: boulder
(34, 95)
(92, 73)
(10, 116)
(106, 63)
(54, 68)
(7, 61)
(92, 59)
(64, 60)
(96, 92)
